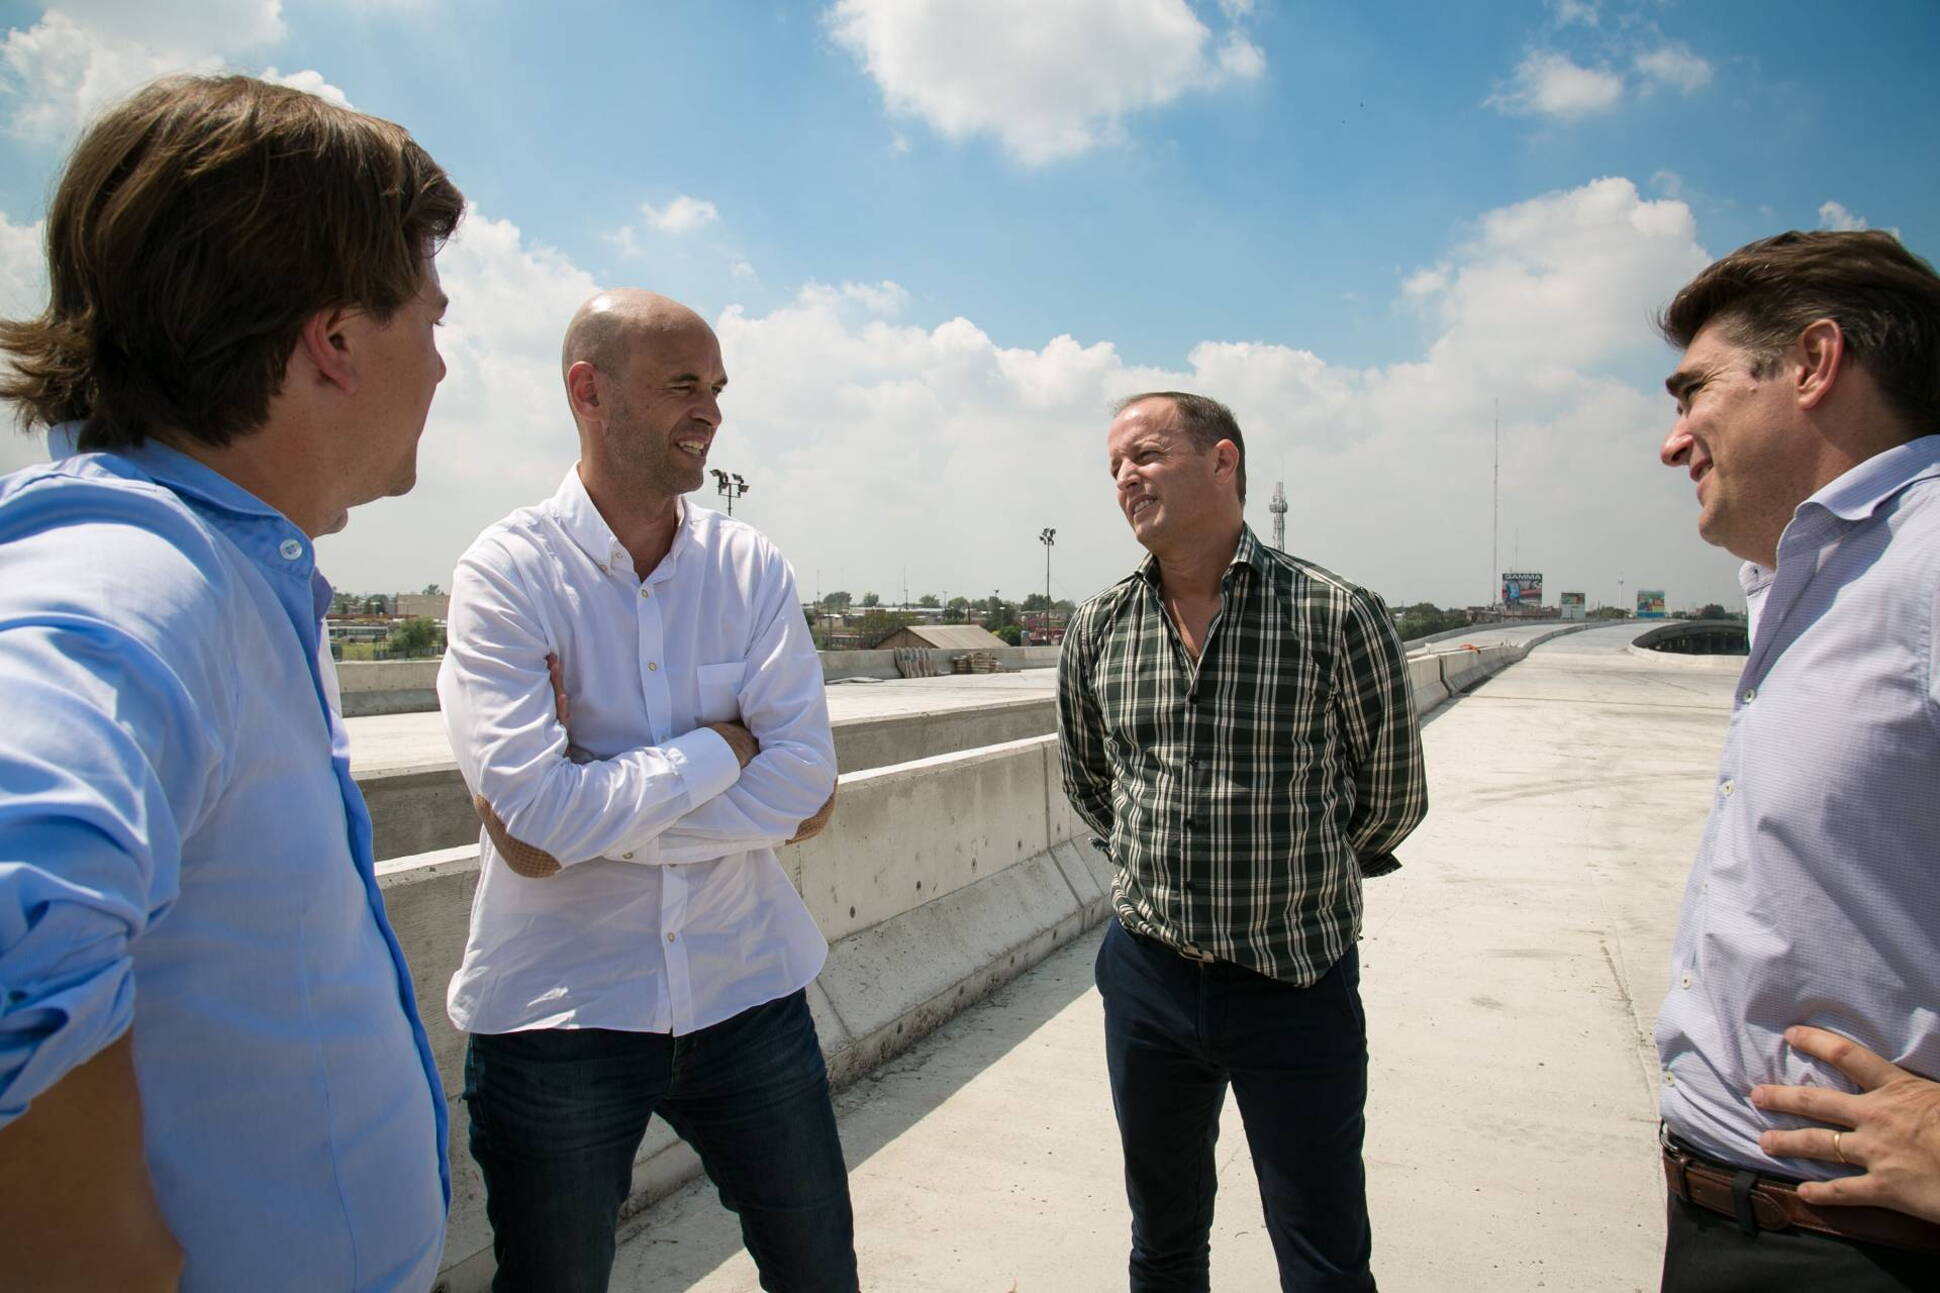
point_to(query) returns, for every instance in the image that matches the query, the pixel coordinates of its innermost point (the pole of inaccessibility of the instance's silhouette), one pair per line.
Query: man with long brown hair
(212, 1073)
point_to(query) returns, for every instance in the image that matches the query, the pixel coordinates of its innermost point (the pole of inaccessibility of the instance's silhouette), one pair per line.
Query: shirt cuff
(705, 763)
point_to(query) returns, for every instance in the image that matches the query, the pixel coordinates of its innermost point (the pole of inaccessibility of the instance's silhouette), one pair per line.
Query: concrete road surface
(1511, 972)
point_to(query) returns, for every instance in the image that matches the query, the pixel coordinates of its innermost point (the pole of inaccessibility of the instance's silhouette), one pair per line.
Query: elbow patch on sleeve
(522, 858)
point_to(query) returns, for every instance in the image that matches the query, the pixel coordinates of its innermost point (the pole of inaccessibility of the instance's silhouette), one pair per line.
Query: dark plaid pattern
(1243, 800)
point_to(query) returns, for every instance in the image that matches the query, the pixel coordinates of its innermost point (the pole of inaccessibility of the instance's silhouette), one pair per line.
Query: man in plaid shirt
(1238, 731)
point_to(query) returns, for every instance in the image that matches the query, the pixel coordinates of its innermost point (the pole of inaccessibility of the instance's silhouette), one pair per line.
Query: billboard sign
(1650, 603)
(1572, 604)
(1522, 589)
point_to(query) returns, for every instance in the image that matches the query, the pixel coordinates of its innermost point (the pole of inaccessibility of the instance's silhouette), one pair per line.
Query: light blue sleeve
(107, 757)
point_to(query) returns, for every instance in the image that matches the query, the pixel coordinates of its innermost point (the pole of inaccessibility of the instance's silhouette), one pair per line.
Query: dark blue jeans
(557, 1115)
(1177, 1033)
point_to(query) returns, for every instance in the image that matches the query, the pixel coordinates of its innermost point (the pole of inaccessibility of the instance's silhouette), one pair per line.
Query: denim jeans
(557, 1116)
(1177, 1033)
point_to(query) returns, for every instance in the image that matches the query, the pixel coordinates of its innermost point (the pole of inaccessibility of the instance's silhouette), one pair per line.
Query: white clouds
(1674, 66)
(309, 81)
(23, 294)
(1582, 68)
(85, 54)
(1552, 85)
(683, 215)
(1833, 215)
(1048, 80)
(879, 444)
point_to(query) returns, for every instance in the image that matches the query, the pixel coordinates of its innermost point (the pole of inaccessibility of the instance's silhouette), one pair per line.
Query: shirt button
(652, 666)
(626, 857)
(290, 549)
(1726, 788)
(1685, 981)
(670, 936)
(645, 593)
(1668, 1079)
(1751, 694)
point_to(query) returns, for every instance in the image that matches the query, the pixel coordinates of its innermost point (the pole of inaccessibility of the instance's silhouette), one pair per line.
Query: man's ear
(1821, 351)
(325, 343)
(1225, 459)
(583, 389)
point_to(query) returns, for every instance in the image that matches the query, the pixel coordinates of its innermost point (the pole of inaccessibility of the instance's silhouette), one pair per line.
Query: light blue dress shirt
(183, 851)
(1816, 894)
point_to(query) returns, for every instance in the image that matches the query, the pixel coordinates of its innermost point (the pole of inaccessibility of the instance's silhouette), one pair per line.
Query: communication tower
(1279, 509)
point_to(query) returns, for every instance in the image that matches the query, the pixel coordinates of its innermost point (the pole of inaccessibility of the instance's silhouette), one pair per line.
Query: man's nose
(1676, 447)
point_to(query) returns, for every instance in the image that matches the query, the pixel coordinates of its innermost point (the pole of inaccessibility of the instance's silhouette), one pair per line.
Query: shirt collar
(1249, 552)
(1860, 492)
(174, 469)
(581, 519)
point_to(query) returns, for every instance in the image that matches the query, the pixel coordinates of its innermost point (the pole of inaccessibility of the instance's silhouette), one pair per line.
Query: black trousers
(1706, 1252)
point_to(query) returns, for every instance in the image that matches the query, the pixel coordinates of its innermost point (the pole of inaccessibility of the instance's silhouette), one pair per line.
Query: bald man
(638, 711)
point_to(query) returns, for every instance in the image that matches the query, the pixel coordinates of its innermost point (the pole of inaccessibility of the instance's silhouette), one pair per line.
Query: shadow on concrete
(688, 1235)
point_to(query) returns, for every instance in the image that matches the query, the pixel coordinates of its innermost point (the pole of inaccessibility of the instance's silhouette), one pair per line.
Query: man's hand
(739, 738)
(809, 829)
(557, 677)
(77, 1207)
(1894, 1128)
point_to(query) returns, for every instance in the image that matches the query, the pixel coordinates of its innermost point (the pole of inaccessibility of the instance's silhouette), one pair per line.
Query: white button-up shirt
(670, 912)
(1815, 898)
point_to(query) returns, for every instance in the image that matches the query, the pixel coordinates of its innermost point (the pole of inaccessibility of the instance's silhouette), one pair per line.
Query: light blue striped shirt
(182, 850)
(1816, 894)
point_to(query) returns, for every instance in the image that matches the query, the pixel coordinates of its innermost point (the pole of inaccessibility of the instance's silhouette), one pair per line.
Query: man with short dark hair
(1238, 730)
(634, 700)
(211, 1065)
(1807, 956)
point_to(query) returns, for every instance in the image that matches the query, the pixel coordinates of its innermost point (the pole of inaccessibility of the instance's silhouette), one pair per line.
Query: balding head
(612, 326)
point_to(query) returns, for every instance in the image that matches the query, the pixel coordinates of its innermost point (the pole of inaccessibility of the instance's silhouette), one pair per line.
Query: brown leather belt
(1766, 1203)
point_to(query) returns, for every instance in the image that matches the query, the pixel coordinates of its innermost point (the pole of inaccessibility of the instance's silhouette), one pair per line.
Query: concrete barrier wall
(423, 808)
(936, 881)
(410, 686)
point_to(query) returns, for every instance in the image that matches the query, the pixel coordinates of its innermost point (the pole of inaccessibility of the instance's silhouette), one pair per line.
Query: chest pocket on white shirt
(719, 685)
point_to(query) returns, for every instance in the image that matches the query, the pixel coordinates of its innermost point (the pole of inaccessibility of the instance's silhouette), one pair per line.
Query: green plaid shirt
(1243, 800)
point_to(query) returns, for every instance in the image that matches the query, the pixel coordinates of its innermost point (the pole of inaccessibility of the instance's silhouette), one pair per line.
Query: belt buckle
(1193, 952)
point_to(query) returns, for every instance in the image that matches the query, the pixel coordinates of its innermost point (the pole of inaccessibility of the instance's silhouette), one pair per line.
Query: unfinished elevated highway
(1510, 971)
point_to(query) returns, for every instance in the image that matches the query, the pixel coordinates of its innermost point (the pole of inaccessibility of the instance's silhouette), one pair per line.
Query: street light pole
(1049, 539)
(729, 485)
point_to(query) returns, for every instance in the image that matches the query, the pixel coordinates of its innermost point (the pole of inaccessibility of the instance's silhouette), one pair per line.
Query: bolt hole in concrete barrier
(852, 913)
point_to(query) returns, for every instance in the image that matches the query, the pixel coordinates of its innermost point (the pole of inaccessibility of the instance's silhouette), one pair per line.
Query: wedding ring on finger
(1838, 1152)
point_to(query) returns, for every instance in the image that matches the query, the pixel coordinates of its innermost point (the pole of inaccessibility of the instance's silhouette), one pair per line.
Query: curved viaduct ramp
(1511, 972)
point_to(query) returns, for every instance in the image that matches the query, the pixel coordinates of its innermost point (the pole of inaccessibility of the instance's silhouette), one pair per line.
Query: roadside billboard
(1650, 603)
(1573, 605)
(1521, 588)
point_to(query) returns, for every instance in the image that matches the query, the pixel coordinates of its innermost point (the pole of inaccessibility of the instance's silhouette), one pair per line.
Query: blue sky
(939, 238)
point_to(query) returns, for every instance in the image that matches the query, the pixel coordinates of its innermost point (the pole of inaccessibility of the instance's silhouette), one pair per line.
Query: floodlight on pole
(729, 485)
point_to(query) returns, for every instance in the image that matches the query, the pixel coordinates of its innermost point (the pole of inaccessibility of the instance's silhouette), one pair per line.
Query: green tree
(1036, 602)
(998, 613)
(927, 601)
(1609, 613)
(1713, 611)
(870, 599)
(837, 601)
(1012, 634)
(432, 590)
(418, 635)
(877, 624)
